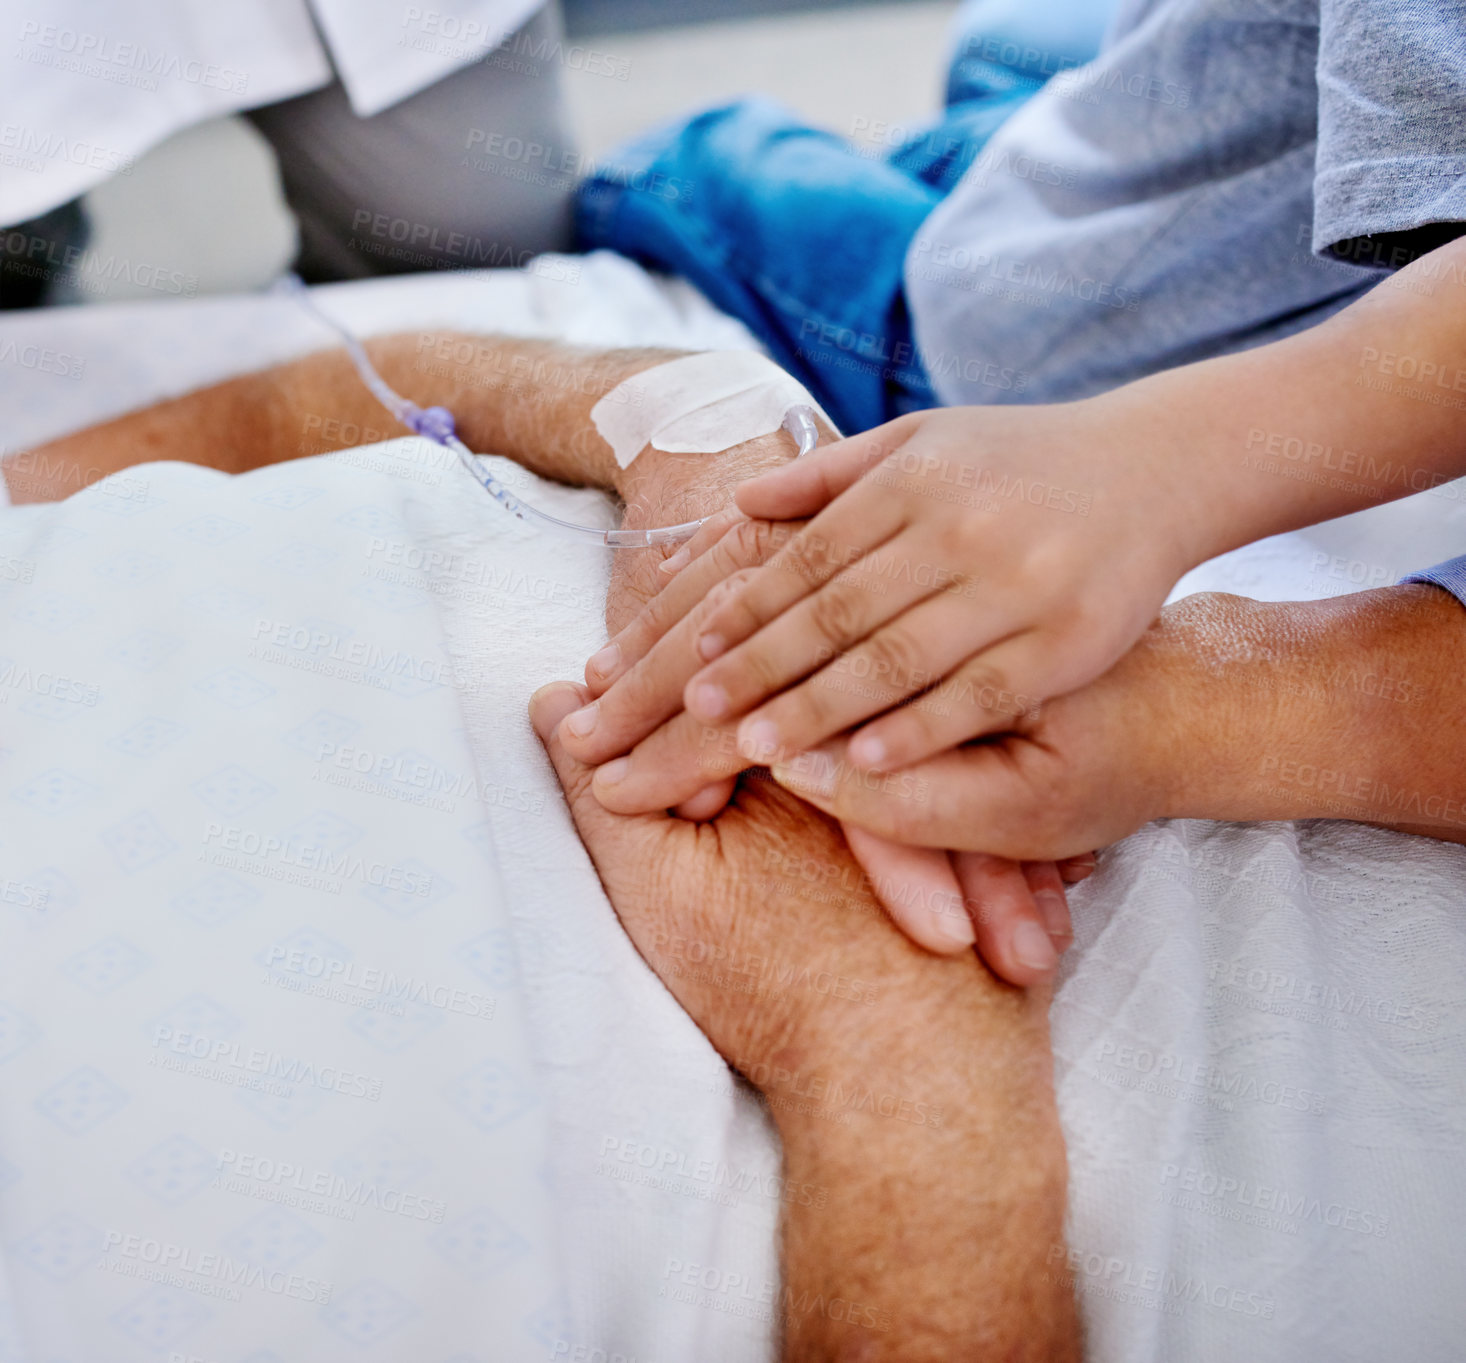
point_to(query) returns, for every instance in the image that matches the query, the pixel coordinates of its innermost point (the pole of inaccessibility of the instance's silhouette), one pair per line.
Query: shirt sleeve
(1450, 576)
(1391, 160)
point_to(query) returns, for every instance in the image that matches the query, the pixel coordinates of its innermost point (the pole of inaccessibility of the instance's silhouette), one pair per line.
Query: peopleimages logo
(38, 257)
(206, 1273)
(1156, 1286)
(40, 358)
(1171, 1073)
(283, 1181)
(30, 148)
(121, 62)
(1005, 277)
(342, 975)
(322, 650)
(229, 1058)
(233, 846)
(56, 686)
(632, 1160)
(1224, 1191)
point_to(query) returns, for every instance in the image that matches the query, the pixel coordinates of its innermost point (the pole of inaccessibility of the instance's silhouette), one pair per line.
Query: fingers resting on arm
(1014, 913)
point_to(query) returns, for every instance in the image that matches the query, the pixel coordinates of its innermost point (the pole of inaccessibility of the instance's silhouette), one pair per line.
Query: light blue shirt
(1450, 576)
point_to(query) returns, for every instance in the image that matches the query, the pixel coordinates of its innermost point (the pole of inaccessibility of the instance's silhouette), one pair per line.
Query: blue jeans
(803, 236)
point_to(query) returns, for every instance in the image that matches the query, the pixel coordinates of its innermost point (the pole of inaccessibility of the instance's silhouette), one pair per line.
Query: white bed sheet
(1259, 1036)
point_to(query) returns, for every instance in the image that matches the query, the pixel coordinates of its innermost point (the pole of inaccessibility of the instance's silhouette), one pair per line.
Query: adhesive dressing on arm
(698, 404)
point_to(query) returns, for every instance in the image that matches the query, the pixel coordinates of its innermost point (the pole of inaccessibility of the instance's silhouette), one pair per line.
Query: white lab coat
(87, 86)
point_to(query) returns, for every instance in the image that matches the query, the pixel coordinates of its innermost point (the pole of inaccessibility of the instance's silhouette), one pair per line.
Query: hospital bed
(319, 1039)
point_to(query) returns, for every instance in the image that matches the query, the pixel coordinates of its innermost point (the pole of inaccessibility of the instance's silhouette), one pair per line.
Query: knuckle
(727, 588)
(762, 668)
(642, 627)
(748, 542)
(712, 750)
(983, 691)
(736, 548)
(806, 557)
(651, 623)
(649, 630)
(896, 658)
(960, 540)
(639, 686)
(778, 535)
(1049, 812)
(734, 605)
(807, 709)
(898, 473)
(835, 614)
(620, 715)
(636, 641)
(905, 822)
(923, 722)
(893, 808)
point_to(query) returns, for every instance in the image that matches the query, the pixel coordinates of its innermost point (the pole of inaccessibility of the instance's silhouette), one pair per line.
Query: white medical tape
(698, 404)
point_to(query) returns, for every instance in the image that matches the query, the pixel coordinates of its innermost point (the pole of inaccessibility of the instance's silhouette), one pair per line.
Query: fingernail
(866, 750)
(678, 560)
(709, 646)
(759, 740)
(583, 721)
(613, 772)
(1032, 947)
(952, 923)
(1053, 909)
(709, 701)
(606, 659)
(811, 774)
(548, 706)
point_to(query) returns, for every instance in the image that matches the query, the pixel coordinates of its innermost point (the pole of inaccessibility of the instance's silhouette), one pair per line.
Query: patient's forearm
(924, 1131)
(1348, 708)
(945, 1181)
(527, 399)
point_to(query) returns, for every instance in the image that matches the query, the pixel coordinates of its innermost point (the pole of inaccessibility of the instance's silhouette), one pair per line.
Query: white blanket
(1259, 1035)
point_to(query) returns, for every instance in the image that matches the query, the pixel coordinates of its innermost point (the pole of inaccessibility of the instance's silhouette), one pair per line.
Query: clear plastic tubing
(436, 423)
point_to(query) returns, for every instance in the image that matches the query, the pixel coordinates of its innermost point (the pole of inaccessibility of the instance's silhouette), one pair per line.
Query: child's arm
(987, 559)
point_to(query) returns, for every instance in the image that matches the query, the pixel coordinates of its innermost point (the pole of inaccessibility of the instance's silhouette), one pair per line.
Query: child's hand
(1014, 913)
(1077, 535)
(982, 559)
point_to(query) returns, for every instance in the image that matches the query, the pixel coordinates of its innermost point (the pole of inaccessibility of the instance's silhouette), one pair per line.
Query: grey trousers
(473, 172)
(23, 282)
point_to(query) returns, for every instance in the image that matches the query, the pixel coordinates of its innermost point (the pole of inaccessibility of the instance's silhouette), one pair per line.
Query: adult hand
(1016, 914)
(937, 1168)
(1227, 708)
